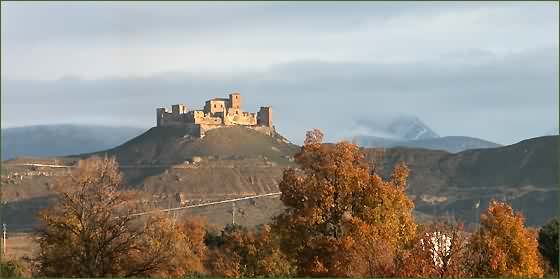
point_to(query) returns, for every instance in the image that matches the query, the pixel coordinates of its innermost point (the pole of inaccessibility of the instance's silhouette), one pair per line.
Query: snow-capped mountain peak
(410, 128)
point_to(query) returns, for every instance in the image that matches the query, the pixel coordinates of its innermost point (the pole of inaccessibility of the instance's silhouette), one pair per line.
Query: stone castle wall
(217, 112)
(244, 118)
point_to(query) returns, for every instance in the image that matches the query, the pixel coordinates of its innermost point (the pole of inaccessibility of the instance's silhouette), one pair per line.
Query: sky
(487, 70)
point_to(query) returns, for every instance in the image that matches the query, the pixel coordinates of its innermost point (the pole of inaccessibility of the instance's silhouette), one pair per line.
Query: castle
(217, 112)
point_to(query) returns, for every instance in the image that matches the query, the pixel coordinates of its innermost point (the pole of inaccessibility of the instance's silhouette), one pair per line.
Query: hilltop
(174, 145)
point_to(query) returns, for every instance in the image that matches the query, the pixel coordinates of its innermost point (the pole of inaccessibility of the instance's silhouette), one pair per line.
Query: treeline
(341, 220)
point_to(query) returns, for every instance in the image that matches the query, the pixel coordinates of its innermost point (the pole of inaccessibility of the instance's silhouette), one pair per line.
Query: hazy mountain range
(63, 139)
(66, 139)
(410, 131)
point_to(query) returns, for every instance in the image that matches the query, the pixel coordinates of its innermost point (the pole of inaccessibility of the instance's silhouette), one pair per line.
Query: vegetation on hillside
(548, 244)
(90, 233)
(342, 219)
(11, 269)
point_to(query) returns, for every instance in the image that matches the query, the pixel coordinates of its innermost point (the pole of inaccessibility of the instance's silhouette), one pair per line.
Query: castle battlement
(217, 112)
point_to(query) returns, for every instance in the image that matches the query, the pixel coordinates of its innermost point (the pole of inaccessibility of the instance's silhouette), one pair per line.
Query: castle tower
(159, 116)
(178, 109)
(235, 100)
(264, 117)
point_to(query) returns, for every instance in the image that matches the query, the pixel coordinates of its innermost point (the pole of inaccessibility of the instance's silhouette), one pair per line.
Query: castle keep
(217, 112)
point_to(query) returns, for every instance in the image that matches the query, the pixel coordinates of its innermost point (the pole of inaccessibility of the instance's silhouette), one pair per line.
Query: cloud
(100, 40)
(488, 70)
(499, 98)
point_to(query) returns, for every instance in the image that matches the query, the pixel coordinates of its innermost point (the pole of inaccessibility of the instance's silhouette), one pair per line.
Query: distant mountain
(452, 144)
(410, 131)
(63, 139)
(410, 128)
(400, 128)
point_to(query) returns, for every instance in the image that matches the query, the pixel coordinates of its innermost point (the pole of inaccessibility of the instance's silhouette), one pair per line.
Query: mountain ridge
(452, 144)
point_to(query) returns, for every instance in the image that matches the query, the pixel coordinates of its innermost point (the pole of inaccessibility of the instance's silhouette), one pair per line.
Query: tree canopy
(336, 208)
(503, 247)
(548, 242)
(90, 233)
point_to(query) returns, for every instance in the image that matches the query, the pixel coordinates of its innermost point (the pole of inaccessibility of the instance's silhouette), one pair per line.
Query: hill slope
(525, 174)
(238, 161)
(171, 145)
(225, 153)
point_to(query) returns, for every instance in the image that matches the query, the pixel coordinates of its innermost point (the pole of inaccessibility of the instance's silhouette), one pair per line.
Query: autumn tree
(439, 250)
(548, 243)
(89, 231)
(194, 230)
(503, 247)
(240, 252)
(338, 212)
(11, 269)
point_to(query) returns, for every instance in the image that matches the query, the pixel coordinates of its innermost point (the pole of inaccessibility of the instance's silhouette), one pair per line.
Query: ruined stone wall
(169, 119)
(199, 117)
(264, 116)
(178, 109)
(217, 112)
(245, 118)
(215, 105)
(165, 118)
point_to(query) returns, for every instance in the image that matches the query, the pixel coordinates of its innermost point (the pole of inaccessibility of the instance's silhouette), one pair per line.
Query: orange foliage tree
(338, 213)
(503, 247)
(440, 250)
(247, 253)
(90, 232)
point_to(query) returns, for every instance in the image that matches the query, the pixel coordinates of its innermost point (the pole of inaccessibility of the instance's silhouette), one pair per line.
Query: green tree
(548, 242)
(11, 269)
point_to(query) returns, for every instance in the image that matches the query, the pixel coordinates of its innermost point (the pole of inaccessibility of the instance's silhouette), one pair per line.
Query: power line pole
(233, 213)
(4, 239)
